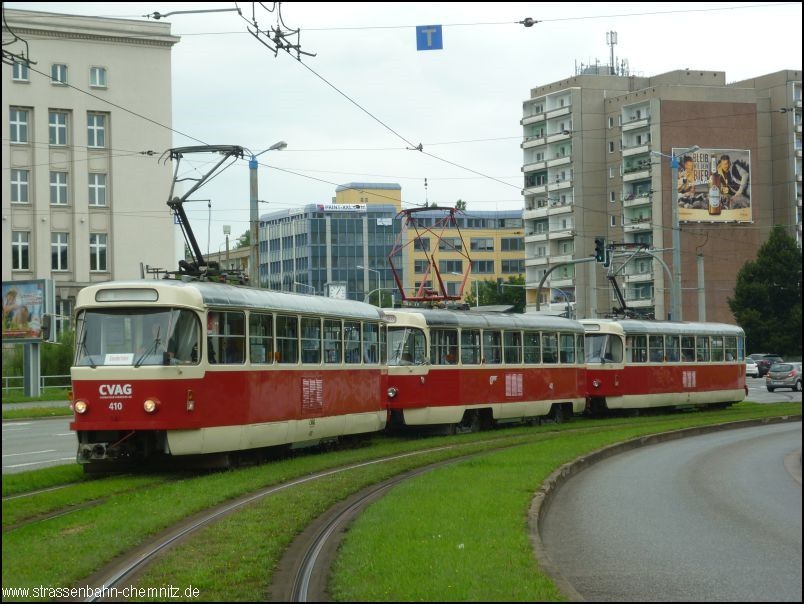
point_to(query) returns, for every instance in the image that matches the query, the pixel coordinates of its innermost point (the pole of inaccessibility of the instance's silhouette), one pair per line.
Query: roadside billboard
(714, 185)
(24, 305)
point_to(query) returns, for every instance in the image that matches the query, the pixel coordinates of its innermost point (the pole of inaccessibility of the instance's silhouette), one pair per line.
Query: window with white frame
(20, 250)
(613, 220)
(97, 251)
(57, 126)
(611, 146)
(611, 122)
(58, 188)
(19, 186)
(97, 77)
(96, 130)
(611, 196)
(59, 244)
(18, 125)
(19, 72)
(58, 73)
(566, 247)
(97, 189)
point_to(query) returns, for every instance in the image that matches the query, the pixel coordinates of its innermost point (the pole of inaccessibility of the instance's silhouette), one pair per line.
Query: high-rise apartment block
(599, 153)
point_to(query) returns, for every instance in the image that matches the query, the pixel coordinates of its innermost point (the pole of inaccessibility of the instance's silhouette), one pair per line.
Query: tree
(244, 240)
(767, 297)
(460, 205)
(509, 293)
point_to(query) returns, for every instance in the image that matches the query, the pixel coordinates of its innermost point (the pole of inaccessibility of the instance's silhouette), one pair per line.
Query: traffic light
(600, 249)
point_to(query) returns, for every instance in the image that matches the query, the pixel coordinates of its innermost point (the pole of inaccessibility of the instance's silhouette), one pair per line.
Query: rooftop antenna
(611, 40)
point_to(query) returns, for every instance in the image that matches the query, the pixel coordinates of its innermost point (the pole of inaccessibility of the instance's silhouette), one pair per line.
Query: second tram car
(470, 369)
(173, 368)
(634, 364)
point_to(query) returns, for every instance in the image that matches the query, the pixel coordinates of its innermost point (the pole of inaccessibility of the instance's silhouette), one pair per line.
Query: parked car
(784, 375)
(764, 361)
(751, 368)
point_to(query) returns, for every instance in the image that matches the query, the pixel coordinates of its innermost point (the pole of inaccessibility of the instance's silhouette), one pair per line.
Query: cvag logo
(115, 389)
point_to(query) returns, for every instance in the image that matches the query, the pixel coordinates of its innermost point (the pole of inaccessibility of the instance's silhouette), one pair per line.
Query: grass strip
(36, 413)
(65, 550)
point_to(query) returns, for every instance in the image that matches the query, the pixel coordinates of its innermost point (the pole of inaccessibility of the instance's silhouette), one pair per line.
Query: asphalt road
(708, 518)
(30, 445)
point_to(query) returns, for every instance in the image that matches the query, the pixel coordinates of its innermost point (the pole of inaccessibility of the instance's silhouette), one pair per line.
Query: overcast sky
(462, 104)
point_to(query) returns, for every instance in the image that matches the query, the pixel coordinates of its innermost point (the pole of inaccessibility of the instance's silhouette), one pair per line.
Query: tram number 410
(115, 406)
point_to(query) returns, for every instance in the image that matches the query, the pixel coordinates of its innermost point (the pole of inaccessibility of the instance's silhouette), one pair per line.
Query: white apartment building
(83, 190)
(596, 163)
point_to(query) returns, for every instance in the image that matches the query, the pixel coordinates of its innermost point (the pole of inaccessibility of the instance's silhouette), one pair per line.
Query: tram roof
(635, 326)
(469, 319)
(221, 295)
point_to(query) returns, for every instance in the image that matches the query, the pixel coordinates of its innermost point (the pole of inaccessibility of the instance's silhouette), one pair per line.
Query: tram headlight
(80, 407)
(596, 383)
(150, 405)
(392, 392)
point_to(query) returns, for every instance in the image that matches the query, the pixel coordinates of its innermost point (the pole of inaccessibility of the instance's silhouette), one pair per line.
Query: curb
(542, 499)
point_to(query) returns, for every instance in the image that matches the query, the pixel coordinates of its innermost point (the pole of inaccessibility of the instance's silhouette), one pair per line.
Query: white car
(751, 368)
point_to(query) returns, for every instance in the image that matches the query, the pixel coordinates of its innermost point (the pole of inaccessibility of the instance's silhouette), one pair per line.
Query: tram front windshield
(406, 346)
(137, 337)
(603, 348)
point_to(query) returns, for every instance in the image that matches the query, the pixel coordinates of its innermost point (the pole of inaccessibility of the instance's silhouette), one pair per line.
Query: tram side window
(470, 347)
(261, 340)
(702, 348)
(287, 339)
(383, 345)
(688, 349)
(580, 346)
(533, 348)
(717, 348)
(351, 341)
(492, 347)
(406, 346)
(740, 348)
(672, 348)
(311, 340)
(370, 343)
(549, 347)
(636, 349)
(333, 341)
(227, 336)
(731, 348)
(656, 348)
(444, 346)
(512, 345)
(567, 347)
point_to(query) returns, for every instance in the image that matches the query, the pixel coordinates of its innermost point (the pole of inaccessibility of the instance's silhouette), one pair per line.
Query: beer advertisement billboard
(714, 185)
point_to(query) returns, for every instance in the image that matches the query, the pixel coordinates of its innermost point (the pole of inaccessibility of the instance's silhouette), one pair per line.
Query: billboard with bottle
(714, 185)
(25, 303)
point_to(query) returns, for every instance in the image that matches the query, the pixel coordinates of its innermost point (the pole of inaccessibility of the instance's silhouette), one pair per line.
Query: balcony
(636, 173)
(533, 141)
(635, 123)
(560, 184)
(536, 261)
(638, 224)
(559, 161)
(561, 233)
(637, 199)
(533, 213)
(558, 112)
(559, 136)
(644, 277)
(537, 165)
(536, 237)
(535, 190)
(532, 119)
(636, 149)
(559, 258)
(561, 281)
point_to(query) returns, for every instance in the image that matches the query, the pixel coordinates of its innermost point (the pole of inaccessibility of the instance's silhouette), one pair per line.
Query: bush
(55, 359)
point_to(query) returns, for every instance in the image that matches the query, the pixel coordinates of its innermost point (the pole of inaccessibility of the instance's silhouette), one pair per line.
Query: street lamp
(675, 288)
(255, 230)
(379, 278)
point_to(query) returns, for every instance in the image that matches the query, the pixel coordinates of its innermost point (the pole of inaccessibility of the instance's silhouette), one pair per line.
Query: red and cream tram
(634, 364)
(167, 367)
(471, 369)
